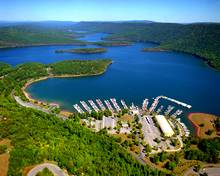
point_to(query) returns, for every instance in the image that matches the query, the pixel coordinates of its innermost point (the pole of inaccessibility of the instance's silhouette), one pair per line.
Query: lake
(133, 76)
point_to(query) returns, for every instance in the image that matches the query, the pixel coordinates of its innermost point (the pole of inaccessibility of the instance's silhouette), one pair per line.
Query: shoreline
(155, 49)
(31, 81)
(44, 44)
(206, 60)
(197, 128)
(198, 132)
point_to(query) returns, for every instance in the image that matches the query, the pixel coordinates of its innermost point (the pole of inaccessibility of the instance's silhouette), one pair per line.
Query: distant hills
(200, 39)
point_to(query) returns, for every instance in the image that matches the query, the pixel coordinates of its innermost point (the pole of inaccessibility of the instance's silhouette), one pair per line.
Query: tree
(209, 132)
(197, 167)
(202, 125)
(3, 149)
(163, 156)
(148, 148)
(45, 172)
(170, 165)
(217, 123)
(155, 159)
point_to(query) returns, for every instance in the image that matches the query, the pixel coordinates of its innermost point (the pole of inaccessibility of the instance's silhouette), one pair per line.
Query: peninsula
(112, 43)
(83, 50)
(206, 125)
(155, 49)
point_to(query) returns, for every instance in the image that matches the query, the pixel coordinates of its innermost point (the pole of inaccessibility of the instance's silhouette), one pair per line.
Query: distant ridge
(122, 21)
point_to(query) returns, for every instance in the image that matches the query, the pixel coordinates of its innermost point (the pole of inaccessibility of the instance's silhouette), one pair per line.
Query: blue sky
(111, 10)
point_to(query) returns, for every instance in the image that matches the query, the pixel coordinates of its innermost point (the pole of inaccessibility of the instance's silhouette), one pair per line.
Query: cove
(133, 76)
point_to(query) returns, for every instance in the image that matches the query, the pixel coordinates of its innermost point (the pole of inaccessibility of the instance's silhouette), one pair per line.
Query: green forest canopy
(37, 136)
(201, 39)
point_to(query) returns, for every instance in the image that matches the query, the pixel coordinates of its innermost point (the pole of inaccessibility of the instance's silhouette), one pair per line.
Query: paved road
(52, 167)
(210, 170)
(190, 171)
(33, 106)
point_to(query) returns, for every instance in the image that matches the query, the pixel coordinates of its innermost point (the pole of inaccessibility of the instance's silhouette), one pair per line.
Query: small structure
(134, 110)
(109, 122)
(164, 125)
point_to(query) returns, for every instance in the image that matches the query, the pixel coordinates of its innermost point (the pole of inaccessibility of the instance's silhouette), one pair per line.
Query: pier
(156, 101)
(115, 104)
(154, 104)
(177, 102)
(124, 104)
(145, 103)
(85, 106)
(159, 109)
(177, 113)
(96, 109)
(169, 109)
(78, 109)
(109, 105)
(99, 102)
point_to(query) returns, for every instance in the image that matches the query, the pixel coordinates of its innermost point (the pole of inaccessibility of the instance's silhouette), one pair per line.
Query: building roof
(164, 125)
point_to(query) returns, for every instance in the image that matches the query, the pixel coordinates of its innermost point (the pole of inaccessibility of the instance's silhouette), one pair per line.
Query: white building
(164, 126)
(109, 122)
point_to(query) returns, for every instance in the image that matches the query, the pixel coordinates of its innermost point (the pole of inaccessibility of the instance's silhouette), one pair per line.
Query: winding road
(36, 107)
(52, 167)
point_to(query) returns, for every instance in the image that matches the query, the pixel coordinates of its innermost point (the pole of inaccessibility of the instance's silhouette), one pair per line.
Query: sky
(181, 11)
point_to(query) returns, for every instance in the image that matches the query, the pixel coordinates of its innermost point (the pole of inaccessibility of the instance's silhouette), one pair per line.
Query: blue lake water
(133, 76)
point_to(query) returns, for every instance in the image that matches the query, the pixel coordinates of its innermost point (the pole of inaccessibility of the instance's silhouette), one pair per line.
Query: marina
(134, 108)
(131, 70)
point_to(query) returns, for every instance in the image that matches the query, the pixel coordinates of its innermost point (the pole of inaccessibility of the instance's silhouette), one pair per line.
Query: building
(109, 122)
(164, 126)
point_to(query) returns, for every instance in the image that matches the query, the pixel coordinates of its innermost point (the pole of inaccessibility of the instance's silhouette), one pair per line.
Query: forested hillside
(37, 136)
(24, 34)
(201, 39)
(80, 67)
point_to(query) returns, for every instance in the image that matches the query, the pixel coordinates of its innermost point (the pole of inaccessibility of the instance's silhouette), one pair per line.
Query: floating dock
(154, 104)
(124, 104)
(79, 110)
(96, 109)
(85, 106)
(186, 130)
(177, 113)
(99, 102)
(145, 103)
(109, 105)
(159, 109)
(115, 104)
(169, 109)
(177, 102)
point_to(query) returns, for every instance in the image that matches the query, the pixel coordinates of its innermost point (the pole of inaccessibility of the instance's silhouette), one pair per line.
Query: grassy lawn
(127, 118)
(204, 122)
